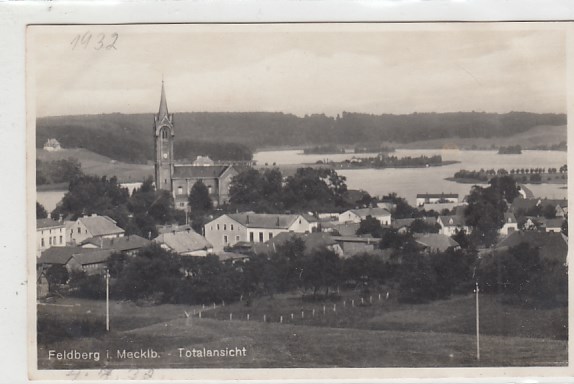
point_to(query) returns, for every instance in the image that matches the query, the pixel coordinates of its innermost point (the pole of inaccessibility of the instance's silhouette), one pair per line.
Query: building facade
(49, 233)
(249, 227)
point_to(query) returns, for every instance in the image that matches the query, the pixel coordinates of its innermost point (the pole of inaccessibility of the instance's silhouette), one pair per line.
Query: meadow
(382, 334)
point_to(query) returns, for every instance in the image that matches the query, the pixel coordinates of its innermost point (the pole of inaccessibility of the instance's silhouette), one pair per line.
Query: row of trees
(138, 214)
(126, 137)
(57, 171)
(485, 175)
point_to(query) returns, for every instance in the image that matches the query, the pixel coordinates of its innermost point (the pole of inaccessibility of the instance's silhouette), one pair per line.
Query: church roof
(191, 172)
(162, 104)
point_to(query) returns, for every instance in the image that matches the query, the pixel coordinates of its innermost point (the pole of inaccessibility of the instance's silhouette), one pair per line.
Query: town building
(231, 229)
(450, 225)
(435, 242)
(52, 145)
(88, 260)
(128, 245)
(185, 243)
(356, 215)
(93, 226)
(313, 242)
(510, 224)
(178, 179)
(436, 198)
(49, 233)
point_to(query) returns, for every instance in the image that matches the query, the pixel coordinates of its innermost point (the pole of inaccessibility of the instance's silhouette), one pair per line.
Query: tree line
(128, 138)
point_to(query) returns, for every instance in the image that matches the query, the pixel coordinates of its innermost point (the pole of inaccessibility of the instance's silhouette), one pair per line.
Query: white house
(436, 198)
(356, 215)
(93, 226)
(510, 224)
(450, 225)
(49, 233)
(228, 230)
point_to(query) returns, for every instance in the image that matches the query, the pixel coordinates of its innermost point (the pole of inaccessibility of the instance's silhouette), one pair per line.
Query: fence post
(362, 301)
(334, 307)
(214, 305)
(264, 318)
(248, 317)
(281, 319)
(302, 314)
(230, 316)
(313, 312)
(200, 314)
(352, 303)
(323, 309)
(371, 299)
(379, 297)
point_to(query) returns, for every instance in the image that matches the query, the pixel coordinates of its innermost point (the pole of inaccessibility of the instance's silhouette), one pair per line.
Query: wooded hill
(234, 135)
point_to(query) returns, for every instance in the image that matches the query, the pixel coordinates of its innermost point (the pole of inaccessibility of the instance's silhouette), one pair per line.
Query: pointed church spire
(162, 104)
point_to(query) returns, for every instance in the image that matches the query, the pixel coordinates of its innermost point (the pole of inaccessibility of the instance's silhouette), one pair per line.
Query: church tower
(163, 145)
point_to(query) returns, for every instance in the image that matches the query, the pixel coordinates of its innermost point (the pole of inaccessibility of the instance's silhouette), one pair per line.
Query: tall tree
(199, 200)
(41, 212)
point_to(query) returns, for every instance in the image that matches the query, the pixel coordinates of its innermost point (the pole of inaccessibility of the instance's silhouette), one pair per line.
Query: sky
(299, 68)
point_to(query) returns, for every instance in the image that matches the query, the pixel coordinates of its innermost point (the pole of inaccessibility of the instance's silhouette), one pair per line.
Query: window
(218, 227)
(61, 240)
(237, 238)
(182, 205)
(179, 190)
(251, 237)
(211, 227)
(209, 188)
(260, 237)
(79, 230)
(299, 221)
(225, 239)
(43, 242)
(225, 227)
(231, 226)
(50, 240)
(270, 235)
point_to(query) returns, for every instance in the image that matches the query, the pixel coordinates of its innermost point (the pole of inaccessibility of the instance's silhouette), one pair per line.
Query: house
(551, 225)
(94, 225)
(49, 233)
(344, 229)
(353, 245)
(356, 215)
(88, 260)
(230, 229)
(52, 145)
(313, 242)
(550, 245)
(185, 243)
(510, 224)
(450, 225)
(522, 206)
(436, 198)
(403, 225)
(126, 244)
(435, 242)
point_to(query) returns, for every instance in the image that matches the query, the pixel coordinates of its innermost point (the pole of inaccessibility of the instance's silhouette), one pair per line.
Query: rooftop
(100, 225)
(264, 220)
(192, 171)
(183, 241)
(120, 244)
(48, 223)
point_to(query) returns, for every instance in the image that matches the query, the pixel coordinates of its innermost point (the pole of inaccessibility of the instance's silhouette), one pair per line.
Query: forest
(129, 137)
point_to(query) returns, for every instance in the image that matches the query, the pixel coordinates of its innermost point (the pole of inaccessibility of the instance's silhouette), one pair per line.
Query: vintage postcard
(284, 201)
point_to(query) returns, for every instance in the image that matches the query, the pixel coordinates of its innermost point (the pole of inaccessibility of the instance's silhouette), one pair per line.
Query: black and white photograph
(329, 195)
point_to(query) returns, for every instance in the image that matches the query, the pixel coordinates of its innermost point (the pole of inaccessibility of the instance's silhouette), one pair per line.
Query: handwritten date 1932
(96, 41)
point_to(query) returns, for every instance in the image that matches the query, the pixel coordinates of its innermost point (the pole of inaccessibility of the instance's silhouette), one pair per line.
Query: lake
(407, 182)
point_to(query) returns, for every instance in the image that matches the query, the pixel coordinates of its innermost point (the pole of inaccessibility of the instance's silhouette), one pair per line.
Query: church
(178, 179)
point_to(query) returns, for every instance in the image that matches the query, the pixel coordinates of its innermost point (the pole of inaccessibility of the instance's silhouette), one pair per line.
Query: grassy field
(95, 164)
(384, 334)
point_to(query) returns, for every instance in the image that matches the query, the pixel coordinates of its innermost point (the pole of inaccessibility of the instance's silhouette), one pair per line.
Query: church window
(164, 133)
(179, 190)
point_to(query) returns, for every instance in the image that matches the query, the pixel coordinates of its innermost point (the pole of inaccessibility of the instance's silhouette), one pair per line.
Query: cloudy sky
(300, 69)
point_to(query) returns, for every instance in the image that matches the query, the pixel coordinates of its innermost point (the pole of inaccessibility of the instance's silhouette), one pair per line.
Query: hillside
(537, 136)
(233, 135)
(95, 164)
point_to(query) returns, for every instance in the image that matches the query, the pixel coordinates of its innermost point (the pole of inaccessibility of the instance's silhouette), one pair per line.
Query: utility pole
(107, 300)
(477, 325)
